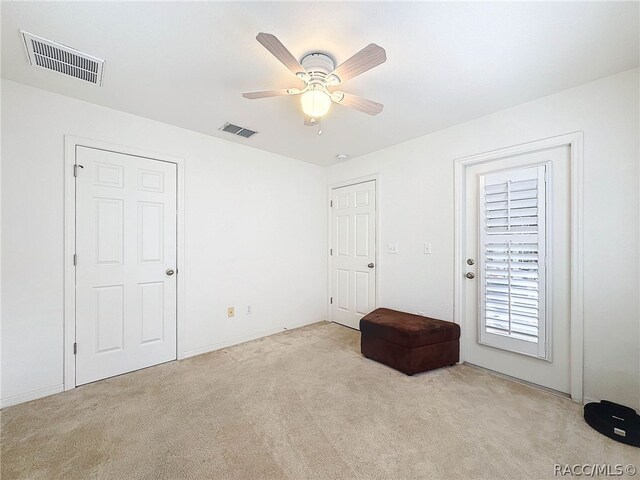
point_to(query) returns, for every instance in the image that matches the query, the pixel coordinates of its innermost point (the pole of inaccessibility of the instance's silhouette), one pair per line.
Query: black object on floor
(615, 421)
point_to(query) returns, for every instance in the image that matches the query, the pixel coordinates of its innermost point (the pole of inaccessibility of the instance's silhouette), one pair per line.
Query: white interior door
(518, 241)
(353, 220)
(126, 262)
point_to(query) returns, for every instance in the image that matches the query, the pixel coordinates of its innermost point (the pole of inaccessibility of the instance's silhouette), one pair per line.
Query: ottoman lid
(407, 329)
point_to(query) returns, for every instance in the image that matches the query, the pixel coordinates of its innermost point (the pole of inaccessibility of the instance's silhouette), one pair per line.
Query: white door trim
(70, 144)
(331, 187)
(575, 143)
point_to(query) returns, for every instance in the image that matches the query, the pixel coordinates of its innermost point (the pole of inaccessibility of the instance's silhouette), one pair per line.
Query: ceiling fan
(318, 72)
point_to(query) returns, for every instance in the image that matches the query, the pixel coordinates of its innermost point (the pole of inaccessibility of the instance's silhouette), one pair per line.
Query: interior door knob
(371, 265)
(470, 275)
(170, 272)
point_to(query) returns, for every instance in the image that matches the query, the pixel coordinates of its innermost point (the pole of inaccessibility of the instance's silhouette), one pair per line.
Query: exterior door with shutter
(518, 255)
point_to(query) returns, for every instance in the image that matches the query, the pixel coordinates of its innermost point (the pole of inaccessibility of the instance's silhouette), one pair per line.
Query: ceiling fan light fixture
(318, 71)
(315, 102)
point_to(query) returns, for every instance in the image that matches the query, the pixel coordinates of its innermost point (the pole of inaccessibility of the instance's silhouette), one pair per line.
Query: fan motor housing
(318, 63)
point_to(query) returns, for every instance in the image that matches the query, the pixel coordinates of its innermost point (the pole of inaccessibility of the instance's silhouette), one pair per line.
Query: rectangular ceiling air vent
(54, 56)
(236, 130)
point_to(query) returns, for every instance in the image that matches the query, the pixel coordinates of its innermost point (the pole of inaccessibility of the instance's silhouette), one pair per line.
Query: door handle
(169, 272)
(371, 265)
(470, 275)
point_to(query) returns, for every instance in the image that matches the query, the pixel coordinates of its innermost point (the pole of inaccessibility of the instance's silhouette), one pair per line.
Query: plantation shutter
(512, 259)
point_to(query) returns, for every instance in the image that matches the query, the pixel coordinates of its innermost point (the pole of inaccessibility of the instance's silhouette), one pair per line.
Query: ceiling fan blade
(278, 50)
(362, 104)
(271, 93)
(370, 56)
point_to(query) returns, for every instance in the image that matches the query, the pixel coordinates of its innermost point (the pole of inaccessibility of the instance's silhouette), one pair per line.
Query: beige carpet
(301, 405)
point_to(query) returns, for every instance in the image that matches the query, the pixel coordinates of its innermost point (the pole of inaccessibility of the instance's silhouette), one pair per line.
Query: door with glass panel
(518, 267)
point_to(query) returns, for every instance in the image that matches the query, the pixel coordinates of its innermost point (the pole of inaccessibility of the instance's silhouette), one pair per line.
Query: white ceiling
(187, 64)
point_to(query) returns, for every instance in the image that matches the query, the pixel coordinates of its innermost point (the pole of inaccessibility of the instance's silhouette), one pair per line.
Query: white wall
(256, 226)
(416, 198)
(255, 233)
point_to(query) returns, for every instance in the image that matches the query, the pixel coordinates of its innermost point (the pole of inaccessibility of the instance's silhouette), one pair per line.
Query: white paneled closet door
(353, 220)
(126, 263)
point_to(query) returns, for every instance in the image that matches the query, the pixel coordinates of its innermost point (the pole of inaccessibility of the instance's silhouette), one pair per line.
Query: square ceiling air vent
(54, 56)
(236, 130)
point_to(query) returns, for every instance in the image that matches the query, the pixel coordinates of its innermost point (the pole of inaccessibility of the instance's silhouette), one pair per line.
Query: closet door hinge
(331, 251)
(75, 259)
(331, 300)
(331, 203)
(75, 169)
(75, 348)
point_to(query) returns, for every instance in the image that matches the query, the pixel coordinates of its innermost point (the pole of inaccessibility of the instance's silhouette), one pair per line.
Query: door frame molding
(345, 183)
(575, 143)
(71, 143)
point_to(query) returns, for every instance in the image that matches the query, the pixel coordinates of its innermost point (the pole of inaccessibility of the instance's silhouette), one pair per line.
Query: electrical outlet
(230, 312)
(421, 314)
(249, 310)
(392, 249)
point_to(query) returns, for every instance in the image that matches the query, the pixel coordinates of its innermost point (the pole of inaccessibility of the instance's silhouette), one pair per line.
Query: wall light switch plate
(230, 312)
(249, 310)
(427, 248)
(393, 249)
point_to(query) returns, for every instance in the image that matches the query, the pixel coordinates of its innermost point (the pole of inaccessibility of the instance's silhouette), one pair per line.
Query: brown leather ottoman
(409, 343)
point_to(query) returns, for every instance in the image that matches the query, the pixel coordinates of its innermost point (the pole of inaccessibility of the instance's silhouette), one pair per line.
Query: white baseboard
(32, 395)
(244, 338)
(45, 392)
